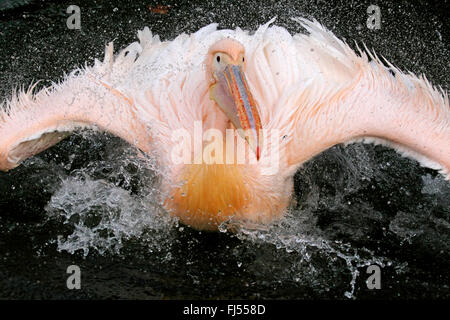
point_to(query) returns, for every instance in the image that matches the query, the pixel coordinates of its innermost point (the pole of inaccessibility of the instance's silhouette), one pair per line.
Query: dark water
(88, 201)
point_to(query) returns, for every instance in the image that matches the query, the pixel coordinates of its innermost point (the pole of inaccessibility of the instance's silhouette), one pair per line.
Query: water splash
(103, 216)
(103, 212)
(109, 202)
(297, 233)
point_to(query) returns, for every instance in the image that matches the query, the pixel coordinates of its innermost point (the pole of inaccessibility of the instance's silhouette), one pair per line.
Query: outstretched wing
(327, 94)
(31, 123)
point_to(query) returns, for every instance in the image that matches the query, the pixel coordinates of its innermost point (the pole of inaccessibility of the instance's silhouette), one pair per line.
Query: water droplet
(222, 227)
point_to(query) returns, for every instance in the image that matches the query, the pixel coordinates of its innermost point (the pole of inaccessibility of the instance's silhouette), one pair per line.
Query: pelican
(195, 100)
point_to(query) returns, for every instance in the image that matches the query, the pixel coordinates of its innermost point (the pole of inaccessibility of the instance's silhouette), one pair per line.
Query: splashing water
(103, 216)
(297, 233)
(102, 212)
(102, 205)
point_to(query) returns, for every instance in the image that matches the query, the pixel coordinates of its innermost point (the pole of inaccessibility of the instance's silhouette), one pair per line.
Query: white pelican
(305, 92)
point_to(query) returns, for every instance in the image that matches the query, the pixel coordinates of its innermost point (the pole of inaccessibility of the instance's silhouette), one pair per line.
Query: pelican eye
(218, 58)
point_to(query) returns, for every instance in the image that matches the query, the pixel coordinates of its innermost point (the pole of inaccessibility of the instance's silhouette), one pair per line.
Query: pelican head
(225, 67)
